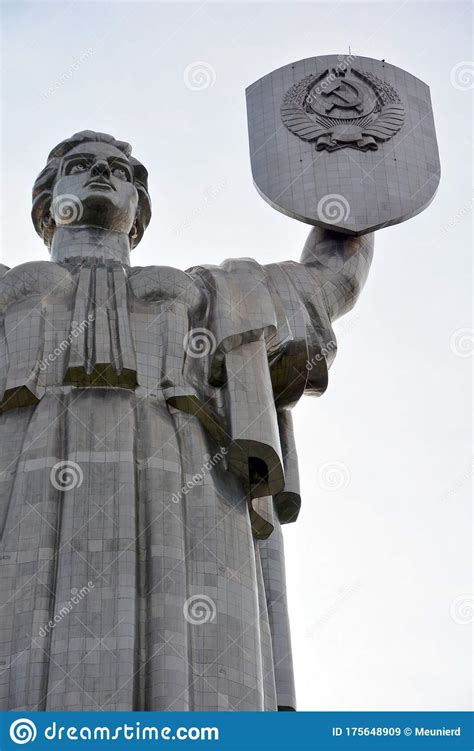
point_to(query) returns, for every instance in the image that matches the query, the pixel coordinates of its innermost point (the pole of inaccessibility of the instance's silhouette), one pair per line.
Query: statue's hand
(333, 250)
(340, 264)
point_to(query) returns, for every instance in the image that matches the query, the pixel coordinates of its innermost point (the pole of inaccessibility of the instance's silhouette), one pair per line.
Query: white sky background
(378, 570)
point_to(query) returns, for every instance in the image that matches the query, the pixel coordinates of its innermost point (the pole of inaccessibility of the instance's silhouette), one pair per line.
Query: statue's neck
(90, 242)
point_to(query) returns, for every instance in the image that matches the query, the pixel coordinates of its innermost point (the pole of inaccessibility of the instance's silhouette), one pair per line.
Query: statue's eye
(120, 172)
(78, 167)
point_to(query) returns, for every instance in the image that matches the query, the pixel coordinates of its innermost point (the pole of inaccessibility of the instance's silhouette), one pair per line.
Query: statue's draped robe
(150, 574)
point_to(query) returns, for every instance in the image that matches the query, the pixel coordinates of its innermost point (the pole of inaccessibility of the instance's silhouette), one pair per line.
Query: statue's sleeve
(243, 324)
(272, 341)
(309, 296)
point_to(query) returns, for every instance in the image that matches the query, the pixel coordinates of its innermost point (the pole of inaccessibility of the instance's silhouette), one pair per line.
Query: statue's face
(95, 188)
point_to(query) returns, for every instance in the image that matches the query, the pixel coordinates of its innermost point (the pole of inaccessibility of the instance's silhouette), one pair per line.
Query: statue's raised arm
(147, 457)
(339, 265)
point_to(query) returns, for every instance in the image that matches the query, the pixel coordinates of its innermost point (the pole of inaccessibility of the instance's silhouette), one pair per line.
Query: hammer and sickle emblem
(347, 96)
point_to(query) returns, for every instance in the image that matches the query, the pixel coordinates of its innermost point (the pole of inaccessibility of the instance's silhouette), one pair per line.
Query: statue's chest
(92, 324)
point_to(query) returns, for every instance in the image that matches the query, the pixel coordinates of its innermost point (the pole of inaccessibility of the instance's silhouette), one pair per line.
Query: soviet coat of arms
(343, 108)
(347, 129)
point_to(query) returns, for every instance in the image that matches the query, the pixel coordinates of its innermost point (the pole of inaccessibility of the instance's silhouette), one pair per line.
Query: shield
(343, 142)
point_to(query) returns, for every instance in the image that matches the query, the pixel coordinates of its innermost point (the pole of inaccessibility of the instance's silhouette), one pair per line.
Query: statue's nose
(101, 167)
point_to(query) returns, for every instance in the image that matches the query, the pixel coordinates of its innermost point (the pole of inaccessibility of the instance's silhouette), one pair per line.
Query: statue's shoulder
(156, 283)
(234, 273)
(44, 278)
(230, 265)
(39, 268)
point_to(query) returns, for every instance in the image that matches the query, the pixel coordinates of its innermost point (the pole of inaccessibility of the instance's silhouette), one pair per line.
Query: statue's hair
(44, 184)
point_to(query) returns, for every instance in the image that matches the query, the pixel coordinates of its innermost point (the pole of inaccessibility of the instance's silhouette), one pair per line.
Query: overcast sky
(378, 566)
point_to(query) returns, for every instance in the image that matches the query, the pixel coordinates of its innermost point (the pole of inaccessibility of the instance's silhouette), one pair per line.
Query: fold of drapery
(101, 350)
(94, 323)
(104, 573)
(100, 326)
(270, 338)
(98, 331)
(34, 322)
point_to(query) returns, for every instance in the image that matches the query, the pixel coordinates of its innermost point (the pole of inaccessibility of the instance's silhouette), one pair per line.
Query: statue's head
(91, 180)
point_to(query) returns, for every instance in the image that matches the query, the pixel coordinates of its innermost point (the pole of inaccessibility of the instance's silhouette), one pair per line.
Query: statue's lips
(99, 185)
